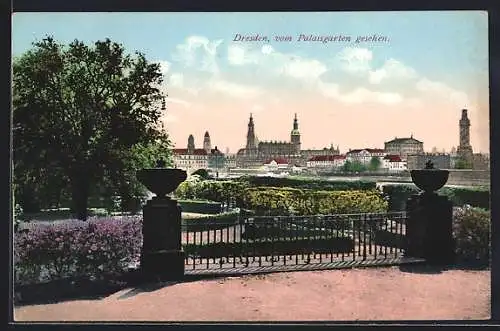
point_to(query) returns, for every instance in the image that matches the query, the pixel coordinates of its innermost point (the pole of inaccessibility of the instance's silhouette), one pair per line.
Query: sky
(354, 79)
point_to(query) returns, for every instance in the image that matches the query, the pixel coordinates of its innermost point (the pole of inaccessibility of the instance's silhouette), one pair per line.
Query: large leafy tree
(85, 117)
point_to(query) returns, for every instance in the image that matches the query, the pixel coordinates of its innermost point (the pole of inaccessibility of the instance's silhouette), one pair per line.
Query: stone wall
(468, 177)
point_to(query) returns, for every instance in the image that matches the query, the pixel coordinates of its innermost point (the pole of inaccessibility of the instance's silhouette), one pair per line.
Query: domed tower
(190, 144)
(295, 135)
(207, 146)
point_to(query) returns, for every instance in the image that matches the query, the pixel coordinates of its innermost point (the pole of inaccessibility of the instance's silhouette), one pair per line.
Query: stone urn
(429, 179)
(161, 255)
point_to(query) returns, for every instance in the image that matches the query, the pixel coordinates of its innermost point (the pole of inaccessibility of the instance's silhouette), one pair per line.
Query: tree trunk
(80, 186)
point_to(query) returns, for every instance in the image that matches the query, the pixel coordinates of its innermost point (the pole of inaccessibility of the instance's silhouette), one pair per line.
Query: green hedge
(214, 222)
(307, 183)
(201, 207)
(289, 201)
(459, 196)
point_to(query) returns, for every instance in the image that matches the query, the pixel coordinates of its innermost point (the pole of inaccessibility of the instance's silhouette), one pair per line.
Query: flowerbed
(75, 249)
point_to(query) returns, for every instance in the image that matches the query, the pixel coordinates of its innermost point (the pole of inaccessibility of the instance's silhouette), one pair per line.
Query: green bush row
(214, 222)
(289, 201)
(471, 231)
(201, 207)
(307, 183)
(459, 196)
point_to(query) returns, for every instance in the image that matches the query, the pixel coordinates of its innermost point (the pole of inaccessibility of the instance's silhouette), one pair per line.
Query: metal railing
(284, 240)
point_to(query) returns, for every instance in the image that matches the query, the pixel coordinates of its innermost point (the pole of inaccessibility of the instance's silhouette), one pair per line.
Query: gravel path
(354, 294)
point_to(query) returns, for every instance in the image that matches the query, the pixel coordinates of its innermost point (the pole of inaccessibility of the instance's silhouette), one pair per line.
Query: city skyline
(427, 67)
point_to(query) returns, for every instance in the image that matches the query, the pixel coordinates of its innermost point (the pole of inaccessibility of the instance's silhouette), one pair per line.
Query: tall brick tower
(464, 150)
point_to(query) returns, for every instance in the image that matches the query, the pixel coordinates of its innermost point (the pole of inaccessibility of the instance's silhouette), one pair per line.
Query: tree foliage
(85, 117)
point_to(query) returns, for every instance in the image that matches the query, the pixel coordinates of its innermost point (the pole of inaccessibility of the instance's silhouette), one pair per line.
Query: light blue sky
(433, 64)
(439, 45)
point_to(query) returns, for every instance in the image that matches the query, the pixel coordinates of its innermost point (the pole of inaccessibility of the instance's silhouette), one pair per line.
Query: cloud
(441, 90)
(359, 95)
(176, 80)
(392, 69)
(234, 89)
(354, 59)
(304, 69)
(257, 108)
(181, 102)
(198, 52)
(238, 55)
(164, 66)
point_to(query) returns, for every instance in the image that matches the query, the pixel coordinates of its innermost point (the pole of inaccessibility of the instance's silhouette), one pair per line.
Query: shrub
(471, 230)
(398, 195)
(210, 222)
(308, 183)
(476, 197)
(72, 248)
(288, 201)
(202, 207)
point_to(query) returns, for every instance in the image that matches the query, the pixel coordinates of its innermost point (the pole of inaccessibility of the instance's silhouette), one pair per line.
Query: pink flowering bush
(73, 249)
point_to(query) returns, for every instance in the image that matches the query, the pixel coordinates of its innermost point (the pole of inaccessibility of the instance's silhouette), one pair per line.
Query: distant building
(464, 150)
(404, 146)
(393, 163)
(326, 161)
(481, 161)
(276, 164)
(418, 161)
(190, 158)
(256, 153)
(207, 146)
(364, 156)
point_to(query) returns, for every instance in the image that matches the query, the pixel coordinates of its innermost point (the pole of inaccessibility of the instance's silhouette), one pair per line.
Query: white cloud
(164, 66)
(392, 69)
(359, 95)
(257, 108)
(234, 89)
(181, 102)
(176, 80)
(238, 55)
(354, 59)
(198, 52)
(305, 69)
(458, 98)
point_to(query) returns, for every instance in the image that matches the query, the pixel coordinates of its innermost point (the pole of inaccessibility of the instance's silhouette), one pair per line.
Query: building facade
(393, 163)
(364, 156)
(326, 162)
(404, 146)
(256, 153)
(191, 158)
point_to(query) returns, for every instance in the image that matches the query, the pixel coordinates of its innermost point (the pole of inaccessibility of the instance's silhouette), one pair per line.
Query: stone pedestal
(162, 254)
(429, 228)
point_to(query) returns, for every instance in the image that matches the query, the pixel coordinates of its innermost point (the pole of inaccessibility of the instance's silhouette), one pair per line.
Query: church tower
(190, 148)
(207, 146)
(295, 135)
(464, 150)
(251, 145)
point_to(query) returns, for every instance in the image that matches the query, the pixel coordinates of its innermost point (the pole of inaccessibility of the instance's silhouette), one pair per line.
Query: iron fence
(283, 240)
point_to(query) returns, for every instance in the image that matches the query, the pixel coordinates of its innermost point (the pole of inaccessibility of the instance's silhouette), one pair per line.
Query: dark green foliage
(214, 222)
(85, 118)
(313, 184)
(354, 166)
(201, 207)
(471, 230)
(203, 173)
(468, 196)
(398, 195)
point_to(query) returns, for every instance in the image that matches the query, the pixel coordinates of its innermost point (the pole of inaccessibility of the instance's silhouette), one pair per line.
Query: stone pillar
(429, 228)
(430, 217)
(162, 253)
